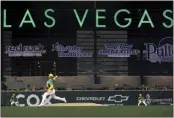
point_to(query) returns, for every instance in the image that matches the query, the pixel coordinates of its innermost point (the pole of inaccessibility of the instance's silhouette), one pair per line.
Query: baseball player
(14, 100)
(50, 90)
(141, 100)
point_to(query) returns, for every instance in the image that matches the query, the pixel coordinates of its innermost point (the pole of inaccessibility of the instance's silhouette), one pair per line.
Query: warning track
(75, 104)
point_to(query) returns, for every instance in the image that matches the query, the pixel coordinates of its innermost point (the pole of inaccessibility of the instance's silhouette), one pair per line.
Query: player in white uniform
(50, 90)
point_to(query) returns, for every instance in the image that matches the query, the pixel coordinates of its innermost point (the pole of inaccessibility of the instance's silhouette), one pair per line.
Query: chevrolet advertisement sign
(118, 98)
(115, 99)
(90, 98)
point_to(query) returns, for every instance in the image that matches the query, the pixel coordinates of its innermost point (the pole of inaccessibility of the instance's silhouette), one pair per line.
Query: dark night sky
(67, 25)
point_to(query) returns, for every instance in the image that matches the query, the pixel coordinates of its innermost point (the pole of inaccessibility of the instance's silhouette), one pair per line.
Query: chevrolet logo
(118, 98)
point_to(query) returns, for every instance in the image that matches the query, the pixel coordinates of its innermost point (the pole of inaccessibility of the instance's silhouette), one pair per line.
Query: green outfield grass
(110, 111)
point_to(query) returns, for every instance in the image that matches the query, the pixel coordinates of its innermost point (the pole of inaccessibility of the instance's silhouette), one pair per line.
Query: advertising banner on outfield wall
(99, 97)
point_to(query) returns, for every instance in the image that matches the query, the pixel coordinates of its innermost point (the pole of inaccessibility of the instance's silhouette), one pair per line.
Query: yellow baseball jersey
(49, 83)
(13, 98)
(140, 98)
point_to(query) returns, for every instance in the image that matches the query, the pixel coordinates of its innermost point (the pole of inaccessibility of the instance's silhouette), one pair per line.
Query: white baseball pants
(142, 101)
(52, 94)
(16, 103)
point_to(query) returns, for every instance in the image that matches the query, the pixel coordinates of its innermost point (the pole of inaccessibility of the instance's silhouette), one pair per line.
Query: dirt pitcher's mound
(75, 104)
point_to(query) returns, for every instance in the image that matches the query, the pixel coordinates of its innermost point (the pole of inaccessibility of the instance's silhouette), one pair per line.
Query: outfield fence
(99, 97)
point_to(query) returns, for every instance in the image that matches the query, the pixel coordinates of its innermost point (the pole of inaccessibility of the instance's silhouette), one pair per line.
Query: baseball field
(88, 111)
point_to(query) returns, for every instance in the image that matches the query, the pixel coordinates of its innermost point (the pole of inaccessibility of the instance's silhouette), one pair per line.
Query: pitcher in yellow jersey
(51, 90)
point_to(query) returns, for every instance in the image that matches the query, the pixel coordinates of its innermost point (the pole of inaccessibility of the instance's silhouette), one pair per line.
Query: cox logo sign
(31, 100)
